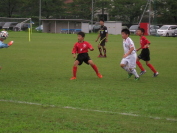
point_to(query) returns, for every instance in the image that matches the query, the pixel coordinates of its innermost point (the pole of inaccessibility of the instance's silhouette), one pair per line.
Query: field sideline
(39, 72)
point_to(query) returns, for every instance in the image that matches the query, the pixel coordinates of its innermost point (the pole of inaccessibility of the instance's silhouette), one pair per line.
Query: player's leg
(104, 50)
(152, 68)
(124, 65)
(134, 72)
(103, 43)
(94, 68)
(132, 66)
(143, 71)
(76, 63)
(100, 50)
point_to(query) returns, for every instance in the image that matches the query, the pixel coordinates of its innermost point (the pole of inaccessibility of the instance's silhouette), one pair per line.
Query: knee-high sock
(104, 50)
(74, 71)
(140, 66)
(133, 71)
(95, 68)
(152, 68)
(126, 69)
(100, 50)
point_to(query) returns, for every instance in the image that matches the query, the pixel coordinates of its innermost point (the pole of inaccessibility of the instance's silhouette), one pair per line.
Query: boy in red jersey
(145, 53)
(82, 47)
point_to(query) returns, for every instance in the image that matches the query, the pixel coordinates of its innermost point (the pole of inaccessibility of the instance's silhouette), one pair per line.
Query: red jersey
(81, 47)
(144, 41)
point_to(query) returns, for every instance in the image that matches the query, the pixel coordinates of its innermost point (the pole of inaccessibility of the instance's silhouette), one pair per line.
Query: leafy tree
(79, 9)
(103, 6)
(127, 10)
(9, 7)
(52, 8)
(169, 11)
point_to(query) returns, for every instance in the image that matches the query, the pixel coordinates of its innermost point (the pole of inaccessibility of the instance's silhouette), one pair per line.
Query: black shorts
(102, 41)
(83, 57)
(145, 55)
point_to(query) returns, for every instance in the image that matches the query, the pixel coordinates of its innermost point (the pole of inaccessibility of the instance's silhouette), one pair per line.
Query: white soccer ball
(4, 34)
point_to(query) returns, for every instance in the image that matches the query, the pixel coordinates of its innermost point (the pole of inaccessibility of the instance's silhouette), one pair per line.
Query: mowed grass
(39, 72)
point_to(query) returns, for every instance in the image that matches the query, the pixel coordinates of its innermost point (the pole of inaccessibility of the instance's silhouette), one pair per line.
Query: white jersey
(127, 45)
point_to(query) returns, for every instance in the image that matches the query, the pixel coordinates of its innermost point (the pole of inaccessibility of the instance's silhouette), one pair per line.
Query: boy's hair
(142, 30)
(126, 31)
(101, 20)
(81, 33)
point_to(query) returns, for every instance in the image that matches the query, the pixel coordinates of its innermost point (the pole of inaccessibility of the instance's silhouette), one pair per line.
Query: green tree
(52, 8)
(169, 11)
(10, 7)
(103, 6)
(79, 9)
(127, 11)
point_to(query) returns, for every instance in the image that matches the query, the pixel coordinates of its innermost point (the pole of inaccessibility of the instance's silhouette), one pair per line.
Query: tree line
(127, 11)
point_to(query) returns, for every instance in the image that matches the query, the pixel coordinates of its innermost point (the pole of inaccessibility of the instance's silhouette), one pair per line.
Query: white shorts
(130, 61)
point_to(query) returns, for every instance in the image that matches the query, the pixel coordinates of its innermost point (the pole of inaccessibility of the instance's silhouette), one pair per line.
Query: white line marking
(74, 108)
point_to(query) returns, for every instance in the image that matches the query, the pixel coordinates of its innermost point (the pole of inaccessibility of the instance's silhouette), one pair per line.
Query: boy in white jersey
(128, 62)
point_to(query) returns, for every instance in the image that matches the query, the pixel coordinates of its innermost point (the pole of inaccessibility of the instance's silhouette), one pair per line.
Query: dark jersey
(103, 31)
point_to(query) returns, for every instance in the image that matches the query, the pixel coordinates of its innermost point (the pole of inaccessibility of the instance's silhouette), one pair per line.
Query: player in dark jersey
(103, 35)
(145, 53)
(81, 48)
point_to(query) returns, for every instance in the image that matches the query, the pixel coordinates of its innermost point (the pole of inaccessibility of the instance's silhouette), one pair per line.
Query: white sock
(133, 71)
(126, 69)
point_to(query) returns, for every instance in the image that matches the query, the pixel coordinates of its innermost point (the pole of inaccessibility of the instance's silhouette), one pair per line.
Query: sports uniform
(103, 31)
(82, 50)
(3, 45)
(130, 60)
(145, 53)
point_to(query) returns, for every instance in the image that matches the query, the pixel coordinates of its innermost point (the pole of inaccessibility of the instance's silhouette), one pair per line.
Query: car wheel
(167, 35)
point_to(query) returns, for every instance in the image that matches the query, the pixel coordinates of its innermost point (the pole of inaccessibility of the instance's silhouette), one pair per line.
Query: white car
(166, 30)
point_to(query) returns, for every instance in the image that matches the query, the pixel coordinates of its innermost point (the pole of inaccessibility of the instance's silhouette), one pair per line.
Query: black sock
(104, 50)
(100, 51)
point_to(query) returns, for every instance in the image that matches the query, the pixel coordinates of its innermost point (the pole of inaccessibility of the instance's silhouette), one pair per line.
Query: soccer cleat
(129, 75)
(104, 56)
(137, 78)
(73, 78)
(100, 55)
(99, 75)
(142, 72)
(10, 43)
(155, 74)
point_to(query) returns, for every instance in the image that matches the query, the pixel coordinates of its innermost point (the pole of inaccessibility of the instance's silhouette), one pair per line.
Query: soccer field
(37, 96)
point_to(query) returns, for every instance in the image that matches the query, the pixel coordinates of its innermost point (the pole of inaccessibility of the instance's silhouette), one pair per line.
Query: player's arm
(97, 37)
(147, 45)
(107, 37)
(138, 49)
(147, 42)
(129, 52)
(106, 30)
(90, 47)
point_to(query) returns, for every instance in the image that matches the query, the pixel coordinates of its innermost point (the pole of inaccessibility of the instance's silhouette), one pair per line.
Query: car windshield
(134, 27)
(164, 28)
(154, 27)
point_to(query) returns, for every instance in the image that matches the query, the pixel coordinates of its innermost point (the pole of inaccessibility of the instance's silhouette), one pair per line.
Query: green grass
(39, 72)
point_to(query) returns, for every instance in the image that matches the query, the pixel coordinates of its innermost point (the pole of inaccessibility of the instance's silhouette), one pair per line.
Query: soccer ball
(4, 34)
